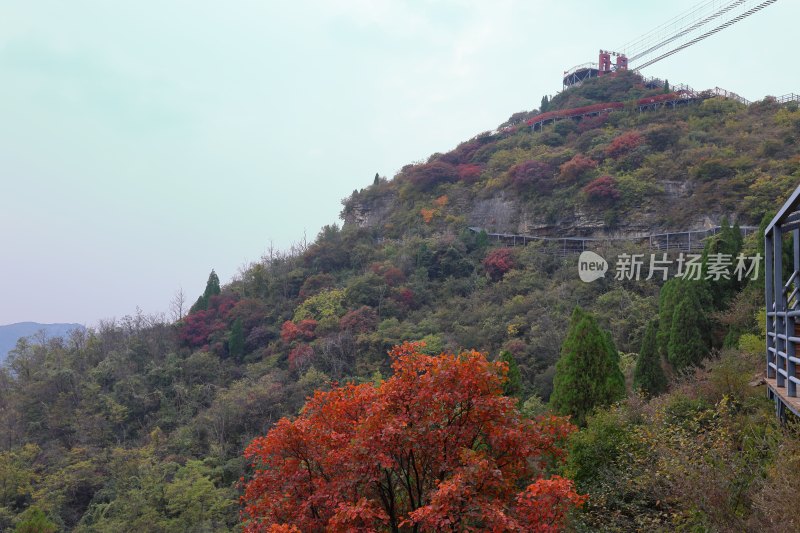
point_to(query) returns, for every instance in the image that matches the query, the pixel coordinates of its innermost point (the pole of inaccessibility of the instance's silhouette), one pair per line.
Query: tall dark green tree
(512, 387)
(545, 104)
(587, 373)
(687, 344)
(212, 289)
(728, 242)
(236, 340)
(666, 310)
(648, 376)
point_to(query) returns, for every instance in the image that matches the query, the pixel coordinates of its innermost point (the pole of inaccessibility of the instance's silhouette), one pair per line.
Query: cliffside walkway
(685, 241)
(679, 95)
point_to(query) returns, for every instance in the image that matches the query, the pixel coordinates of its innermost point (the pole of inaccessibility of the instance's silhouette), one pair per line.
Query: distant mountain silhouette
(11, 333)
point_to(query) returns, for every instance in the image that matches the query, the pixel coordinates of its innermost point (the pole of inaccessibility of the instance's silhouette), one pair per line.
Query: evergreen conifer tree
(236, 340)
(687, 344)
(648, 376)
(588, 373)
(666, 310)
(212, 289)
(512, 387)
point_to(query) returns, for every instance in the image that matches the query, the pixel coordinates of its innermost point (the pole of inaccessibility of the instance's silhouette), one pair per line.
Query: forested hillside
(141, 424)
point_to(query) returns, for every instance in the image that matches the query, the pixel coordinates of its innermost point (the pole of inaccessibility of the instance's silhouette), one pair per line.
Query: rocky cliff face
(503, 213)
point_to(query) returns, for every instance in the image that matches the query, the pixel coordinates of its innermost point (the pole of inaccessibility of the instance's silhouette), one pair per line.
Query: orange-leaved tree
(436, 447)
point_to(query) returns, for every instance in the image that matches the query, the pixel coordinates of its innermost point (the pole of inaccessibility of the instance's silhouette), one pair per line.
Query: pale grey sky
(144, 143)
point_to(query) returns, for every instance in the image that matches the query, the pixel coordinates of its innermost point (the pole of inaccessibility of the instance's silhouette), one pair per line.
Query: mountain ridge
(11, 333)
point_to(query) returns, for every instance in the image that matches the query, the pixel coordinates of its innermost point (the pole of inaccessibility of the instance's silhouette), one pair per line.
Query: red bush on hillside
(532, 174)
(498, 262)
(576, 167)
(602, 188)
(624, 144)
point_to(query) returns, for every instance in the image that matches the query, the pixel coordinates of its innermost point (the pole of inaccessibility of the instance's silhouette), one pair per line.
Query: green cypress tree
(512, 387)
(666, 310)
(729, 243)
(212, 289)
(687, 342)
(212, 285)
(615, 380)
(648, 376)
(236, 340)
(587, 373)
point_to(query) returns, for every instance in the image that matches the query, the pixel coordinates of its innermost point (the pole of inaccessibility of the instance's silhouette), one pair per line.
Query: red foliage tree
(393, 276)
(302, 330)
(196, 329)
(576, 167)
(464, 152)
(469, 173)
(532, 174)
(602, 188)
(498, 262)
(543, 506)
(405, 297)
(359, 320)
(300, 356)
(624, 144)
(436, 446)
(429, 175)
(199, 328)
(590, 123)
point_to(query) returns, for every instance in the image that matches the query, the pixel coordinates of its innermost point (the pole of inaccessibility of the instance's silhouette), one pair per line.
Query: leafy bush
(430, 175)
(498, 262)
(576, 168)
(602, 188)
(536, 176)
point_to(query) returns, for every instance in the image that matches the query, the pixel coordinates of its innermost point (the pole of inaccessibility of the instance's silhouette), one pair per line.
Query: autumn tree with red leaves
(624, 144)
(469, 173)
(533, 174)
(576, 168)
(602, 188)
(435, 447)
(498, 262)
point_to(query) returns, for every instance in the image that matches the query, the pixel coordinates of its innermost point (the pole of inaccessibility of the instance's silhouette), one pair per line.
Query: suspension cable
(719, 28)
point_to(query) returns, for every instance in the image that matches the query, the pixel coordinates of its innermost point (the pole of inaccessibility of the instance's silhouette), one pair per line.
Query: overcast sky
(144, 143)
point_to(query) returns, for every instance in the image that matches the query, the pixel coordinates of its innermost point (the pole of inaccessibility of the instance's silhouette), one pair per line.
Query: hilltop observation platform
(578, 74)
(682, 241)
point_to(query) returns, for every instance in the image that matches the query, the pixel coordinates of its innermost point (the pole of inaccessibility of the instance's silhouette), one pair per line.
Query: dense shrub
(576, 168)
(359, 320)
(469, 173)
(430, 175)
(624, 144)
(602, 188)
(498, 262)
(532, 175)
